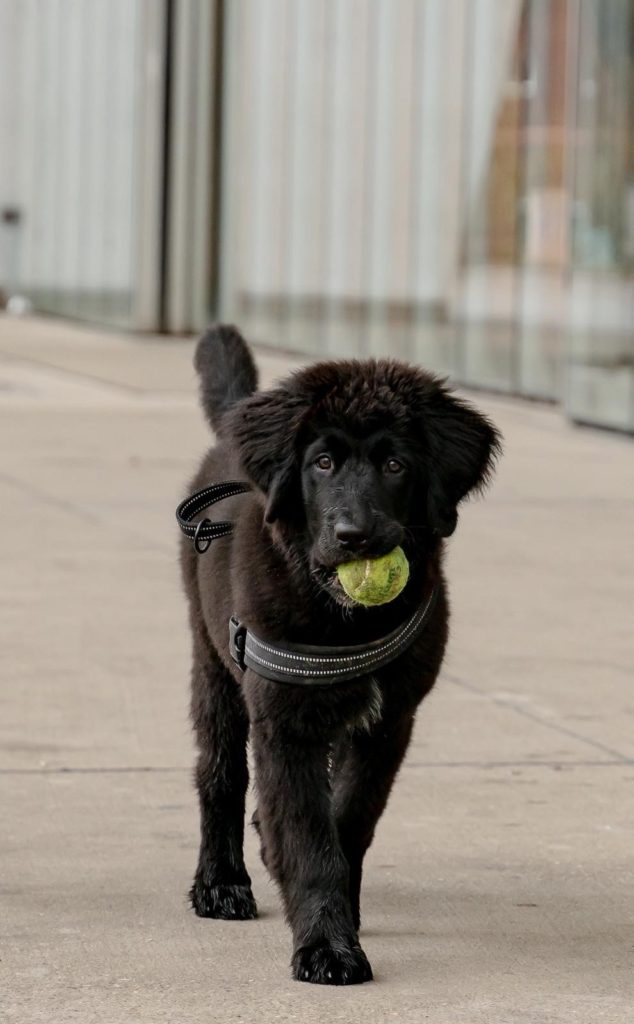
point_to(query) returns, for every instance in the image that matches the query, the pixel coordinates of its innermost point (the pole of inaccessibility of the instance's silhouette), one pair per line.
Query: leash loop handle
(203, 532)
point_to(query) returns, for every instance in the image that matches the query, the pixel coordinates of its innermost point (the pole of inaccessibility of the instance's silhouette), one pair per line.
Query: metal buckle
(237, 640)
(199, 541)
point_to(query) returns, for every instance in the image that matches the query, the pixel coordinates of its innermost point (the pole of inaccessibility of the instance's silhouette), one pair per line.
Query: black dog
(347, 460)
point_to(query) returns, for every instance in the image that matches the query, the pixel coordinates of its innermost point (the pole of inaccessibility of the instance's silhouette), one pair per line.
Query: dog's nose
(355, 538)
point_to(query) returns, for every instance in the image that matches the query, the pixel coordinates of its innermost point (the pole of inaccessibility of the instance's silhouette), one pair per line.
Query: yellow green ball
(375, 581)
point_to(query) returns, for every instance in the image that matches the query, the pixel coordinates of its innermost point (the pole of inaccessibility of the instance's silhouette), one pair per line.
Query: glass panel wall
(513, 298)
(480, 222)
(493, 127)
(545, 200)
(601, 354)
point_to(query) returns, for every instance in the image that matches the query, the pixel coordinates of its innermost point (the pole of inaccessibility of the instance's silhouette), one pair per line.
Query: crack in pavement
(554, 726)
(556, 765)
(84, 515)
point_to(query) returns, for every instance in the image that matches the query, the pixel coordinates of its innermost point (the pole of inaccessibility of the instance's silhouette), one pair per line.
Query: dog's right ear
(265, 428)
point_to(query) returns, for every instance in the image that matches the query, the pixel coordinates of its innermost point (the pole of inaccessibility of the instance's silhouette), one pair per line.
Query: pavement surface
(500, 887)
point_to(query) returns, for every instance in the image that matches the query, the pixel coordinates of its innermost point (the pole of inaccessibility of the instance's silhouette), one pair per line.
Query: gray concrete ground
(500, 886)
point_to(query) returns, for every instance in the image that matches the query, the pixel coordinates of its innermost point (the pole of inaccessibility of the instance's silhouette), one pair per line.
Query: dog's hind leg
(222, 887)
(365, 766)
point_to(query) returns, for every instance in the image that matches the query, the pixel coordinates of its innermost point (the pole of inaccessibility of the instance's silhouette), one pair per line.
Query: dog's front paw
(324, 964)
(227, 902)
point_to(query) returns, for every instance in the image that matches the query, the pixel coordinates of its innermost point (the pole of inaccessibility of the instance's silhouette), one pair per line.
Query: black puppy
(347, 460)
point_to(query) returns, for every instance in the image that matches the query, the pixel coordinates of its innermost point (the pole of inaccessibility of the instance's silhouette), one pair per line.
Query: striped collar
(319, 665)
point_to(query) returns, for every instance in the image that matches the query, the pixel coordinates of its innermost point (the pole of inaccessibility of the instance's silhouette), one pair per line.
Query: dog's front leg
(365, 766)
(304, 855)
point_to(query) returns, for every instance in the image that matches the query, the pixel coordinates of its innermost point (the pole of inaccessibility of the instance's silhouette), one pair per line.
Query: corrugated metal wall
(345, 179)
(82, 103)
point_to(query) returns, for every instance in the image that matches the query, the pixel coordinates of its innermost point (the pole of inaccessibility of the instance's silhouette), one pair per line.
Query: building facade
(446, 181)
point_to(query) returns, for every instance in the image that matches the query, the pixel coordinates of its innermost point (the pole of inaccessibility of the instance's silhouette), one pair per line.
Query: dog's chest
(367, 716)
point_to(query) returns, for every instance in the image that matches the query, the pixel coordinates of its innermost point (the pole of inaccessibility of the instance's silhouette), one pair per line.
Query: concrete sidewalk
(500, 887)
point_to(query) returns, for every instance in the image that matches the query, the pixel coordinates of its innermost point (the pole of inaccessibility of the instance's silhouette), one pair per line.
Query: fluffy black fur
(348, 460)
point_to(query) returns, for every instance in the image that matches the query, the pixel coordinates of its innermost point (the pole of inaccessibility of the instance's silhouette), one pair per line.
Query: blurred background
(446, 181)
(449, 181)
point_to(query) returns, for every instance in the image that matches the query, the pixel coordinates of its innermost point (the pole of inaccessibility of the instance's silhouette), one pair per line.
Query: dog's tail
(226, 369)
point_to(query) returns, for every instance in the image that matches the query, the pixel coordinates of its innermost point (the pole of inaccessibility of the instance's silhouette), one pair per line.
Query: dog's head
(358, 457)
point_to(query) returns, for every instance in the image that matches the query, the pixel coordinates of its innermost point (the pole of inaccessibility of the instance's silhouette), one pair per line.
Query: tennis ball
(375, 580)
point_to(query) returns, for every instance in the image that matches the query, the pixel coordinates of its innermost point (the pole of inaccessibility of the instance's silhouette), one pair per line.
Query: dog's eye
(394, 466)
(323, 462)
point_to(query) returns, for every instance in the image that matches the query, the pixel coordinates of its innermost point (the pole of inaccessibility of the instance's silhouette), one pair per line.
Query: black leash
(296, 664)
(205, 530)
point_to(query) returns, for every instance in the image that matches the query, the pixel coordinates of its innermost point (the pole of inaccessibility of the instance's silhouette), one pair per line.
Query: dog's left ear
(462, 447)
(265, 428)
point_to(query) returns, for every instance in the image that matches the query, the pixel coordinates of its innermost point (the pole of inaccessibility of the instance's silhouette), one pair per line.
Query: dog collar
(295, 664)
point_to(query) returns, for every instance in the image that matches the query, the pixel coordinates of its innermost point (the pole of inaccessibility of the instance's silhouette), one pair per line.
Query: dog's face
(357, 458)
(357, 497)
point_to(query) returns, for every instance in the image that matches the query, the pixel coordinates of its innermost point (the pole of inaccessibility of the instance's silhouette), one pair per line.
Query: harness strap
(308, 665)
